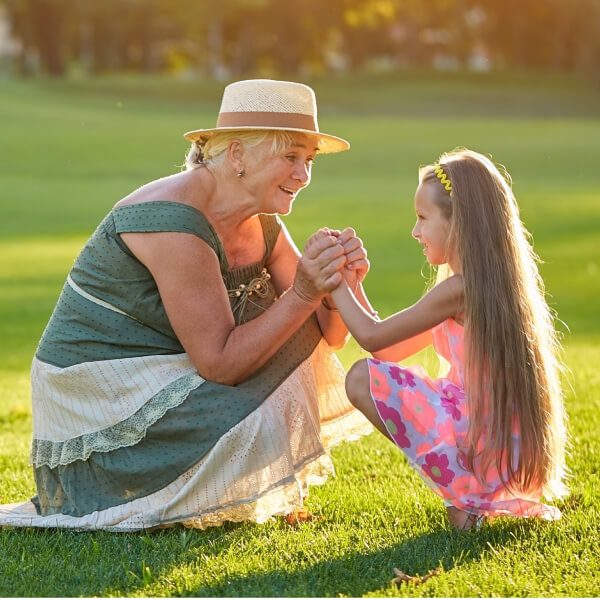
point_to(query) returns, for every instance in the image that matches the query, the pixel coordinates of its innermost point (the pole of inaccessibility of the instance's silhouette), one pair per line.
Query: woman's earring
(241, 173)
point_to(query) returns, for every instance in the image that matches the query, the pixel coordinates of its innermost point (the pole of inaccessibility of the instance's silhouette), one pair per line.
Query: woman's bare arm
(282, 266)
(189, 281)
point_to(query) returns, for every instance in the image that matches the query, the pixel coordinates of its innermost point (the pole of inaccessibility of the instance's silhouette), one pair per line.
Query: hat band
(267, 119)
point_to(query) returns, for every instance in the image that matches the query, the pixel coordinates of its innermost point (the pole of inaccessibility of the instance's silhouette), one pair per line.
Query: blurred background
(243, 38)
(95, 96)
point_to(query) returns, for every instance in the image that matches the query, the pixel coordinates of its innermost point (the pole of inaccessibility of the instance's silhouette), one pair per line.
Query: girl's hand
(357, 264)
(320, 234)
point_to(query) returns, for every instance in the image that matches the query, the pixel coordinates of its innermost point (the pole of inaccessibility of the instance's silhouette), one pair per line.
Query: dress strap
(271, 225)
(162, 215)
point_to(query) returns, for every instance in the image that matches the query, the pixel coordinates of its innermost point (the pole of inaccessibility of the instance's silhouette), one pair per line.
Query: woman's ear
(235, 153)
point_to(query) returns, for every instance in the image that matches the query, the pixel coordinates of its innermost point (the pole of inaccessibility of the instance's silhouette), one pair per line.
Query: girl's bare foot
(460, 519)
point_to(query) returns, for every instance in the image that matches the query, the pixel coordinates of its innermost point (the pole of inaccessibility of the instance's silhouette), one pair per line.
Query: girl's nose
(415, 231)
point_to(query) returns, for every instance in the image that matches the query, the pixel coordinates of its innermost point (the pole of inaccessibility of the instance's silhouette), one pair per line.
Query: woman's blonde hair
(517, 422)
(212, 152)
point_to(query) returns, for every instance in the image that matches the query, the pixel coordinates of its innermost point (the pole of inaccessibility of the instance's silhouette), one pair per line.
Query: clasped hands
(330, 256)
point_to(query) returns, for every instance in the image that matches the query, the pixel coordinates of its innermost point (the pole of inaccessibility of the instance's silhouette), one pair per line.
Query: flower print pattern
(477, 506)
(428, 419)
(436, 467)
(380, 389)
(394, 425)
(451, 397)
(462, 484)
(446, 431)
(403, 377)
(419, 412)
(422, 449)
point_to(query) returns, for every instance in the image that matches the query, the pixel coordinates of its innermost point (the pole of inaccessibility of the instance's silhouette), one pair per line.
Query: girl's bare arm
(440, 303)
(405, 348)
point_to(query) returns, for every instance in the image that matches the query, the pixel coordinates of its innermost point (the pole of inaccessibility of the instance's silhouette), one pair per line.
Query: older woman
(186, 374)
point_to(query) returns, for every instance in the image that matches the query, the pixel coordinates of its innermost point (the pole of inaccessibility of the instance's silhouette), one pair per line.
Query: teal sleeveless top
(110, 308)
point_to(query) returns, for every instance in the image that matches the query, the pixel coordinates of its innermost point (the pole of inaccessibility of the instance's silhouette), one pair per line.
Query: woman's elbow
(218, 372)
(336, 342)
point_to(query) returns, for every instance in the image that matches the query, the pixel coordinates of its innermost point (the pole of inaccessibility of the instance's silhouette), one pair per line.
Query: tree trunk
(47, 25)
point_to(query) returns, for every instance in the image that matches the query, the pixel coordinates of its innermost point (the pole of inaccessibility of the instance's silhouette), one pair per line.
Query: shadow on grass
(356, 574)
(55, 563)
(62, 563)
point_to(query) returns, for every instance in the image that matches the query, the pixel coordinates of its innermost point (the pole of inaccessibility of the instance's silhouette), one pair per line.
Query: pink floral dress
(427, 418)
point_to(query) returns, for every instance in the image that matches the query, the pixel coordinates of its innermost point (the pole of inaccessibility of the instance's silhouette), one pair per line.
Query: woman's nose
(302, 173)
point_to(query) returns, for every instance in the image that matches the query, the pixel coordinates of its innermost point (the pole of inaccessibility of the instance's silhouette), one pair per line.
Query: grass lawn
(70, 150)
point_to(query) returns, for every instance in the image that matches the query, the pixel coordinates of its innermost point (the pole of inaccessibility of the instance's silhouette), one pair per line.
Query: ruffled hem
(516, 507)
(282, 498)
(126, 433)
(261, 467)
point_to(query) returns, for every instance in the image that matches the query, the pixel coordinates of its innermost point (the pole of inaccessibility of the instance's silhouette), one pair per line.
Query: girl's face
(432, 229)
(278, 179)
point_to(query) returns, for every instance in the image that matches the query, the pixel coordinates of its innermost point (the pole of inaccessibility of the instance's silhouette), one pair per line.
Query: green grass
(68, 151)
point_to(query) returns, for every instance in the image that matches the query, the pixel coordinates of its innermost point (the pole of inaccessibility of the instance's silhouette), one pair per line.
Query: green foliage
(269, 37)
(69, 151)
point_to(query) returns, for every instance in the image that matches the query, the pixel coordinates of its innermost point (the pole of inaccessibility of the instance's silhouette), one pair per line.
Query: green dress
(128, 435)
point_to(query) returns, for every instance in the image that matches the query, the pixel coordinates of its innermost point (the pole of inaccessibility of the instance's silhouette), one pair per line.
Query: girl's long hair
(512, 364)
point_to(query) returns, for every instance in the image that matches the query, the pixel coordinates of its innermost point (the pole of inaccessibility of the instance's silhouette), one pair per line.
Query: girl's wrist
(330, 307)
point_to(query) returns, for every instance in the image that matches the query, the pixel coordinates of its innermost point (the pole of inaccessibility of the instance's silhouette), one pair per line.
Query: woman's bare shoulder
(172, 188)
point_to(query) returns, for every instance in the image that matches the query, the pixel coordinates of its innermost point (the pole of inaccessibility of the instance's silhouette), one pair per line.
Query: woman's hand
(319, 269)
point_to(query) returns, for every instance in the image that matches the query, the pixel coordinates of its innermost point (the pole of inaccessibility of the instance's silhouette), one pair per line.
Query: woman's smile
(288, 191)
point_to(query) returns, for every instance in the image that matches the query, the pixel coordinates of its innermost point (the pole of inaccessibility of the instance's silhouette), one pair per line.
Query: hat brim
(328, 144)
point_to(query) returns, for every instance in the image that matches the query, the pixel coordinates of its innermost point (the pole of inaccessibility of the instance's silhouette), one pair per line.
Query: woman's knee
(358, 383)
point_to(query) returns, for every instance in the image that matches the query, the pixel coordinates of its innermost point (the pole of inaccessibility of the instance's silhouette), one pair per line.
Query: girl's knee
(358, 383)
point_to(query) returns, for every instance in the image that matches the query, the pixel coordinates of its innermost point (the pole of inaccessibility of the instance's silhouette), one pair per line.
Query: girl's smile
(432, 229)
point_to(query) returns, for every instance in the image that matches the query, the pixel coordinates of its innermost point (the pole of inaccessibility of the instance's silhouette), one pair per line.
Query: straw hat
(266, 104)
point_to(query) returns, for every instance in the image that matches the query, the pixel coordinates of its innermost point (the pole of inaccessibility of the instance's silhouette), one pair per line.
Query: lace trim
(288, 496)
(126, 433)
(281, 500)
(348, 428)
(285, 497)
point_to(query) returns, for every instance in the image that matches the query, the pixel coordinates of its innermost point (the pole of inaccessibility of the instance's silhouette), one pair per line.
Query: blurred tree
(42, 26)
(272, 37)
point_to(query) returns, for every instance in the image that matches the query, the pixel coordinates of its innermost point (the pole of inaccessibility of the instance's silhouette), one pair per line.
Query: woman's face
(276, 180)
(432, 229)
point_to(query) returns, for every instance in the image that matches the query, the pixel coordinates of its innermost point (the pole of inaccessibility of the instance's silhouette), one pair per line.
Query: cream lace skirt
(261, 467)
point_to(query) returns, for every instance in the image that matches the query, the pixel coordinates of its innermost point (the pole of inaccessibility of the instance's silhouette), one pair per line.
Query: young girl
(489, 437)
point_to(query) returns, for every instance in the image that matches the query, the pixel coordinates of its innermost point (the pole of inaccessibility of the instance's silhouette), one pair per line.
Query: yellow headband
(441, 175)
